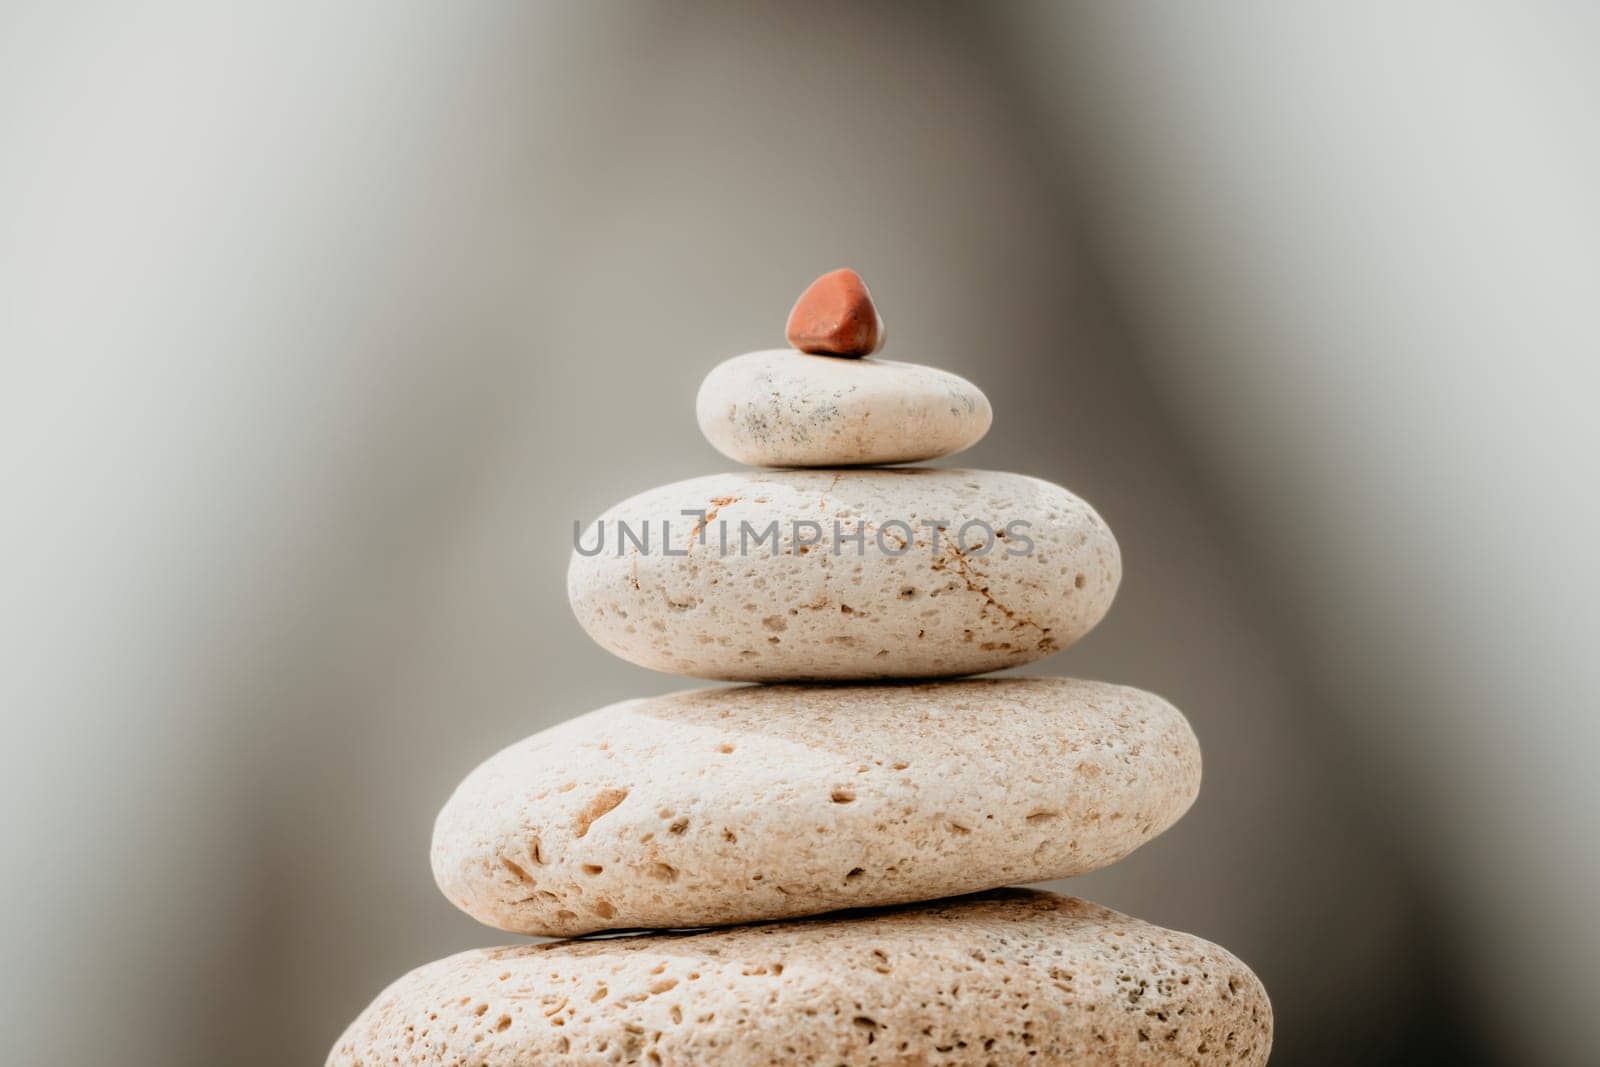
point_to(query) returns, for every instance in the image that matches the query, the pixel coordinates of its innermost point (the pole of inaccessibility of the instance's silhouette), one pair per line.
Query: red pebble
(835, 316)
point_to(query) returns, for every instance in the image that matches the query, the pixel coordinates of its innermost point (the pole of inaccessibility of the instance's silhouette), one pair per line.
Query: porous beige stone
(760, 802)
(1006, 978)
(762, 580)
(784, 408)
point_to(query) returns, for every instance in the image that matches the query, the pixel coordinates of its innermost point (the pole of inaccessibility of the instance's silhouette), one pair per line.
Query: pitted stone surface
(1006, 978)
(758, 802)
(711, 595)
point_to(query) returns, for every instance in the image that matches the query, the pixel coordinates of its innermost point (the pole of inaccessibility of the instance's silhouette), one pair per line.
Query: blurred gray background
(322, 323)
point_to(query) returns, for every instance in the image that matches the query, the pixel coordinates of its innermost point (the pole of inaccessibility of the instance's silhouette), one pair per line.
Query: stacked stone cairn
(811, 869)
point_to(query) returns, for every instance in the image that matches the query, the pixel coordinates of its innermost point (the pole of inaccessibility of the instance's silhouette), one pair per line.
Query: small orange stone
(835, 316)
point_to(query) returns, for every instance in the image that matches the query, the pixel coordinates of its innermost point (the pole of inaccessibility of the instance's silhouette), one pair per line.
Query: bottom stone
(1006, 977)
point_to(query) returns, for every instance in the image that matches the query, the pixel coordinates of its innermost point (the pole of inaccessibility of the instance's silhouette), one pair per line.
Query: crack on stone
(717, 504)
(971, 577)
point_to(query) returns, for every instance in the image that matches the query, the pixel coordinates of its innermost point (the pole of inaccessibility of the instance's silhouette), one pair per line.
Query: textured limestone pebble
(835, 316)
(1005, 978)
(762, 802)
(786, 409)
(709, 595)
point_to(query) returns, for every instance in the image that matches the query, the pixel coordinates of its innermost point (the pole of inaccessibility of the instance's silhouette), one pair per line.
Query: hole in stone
(602, 803)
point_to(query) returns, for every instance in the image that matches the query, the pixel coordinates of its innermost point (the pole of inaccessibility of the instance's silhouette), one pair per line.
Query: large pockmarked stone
(787, 409)
(759, 802)
(859, 574)
(1010, 977)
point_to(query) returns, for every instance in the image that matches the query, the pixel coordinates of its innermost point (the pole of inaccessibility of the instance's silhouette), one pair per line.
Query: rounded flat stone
(730, 583)
(733, 805)
(1011, 977)
(787, 409)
